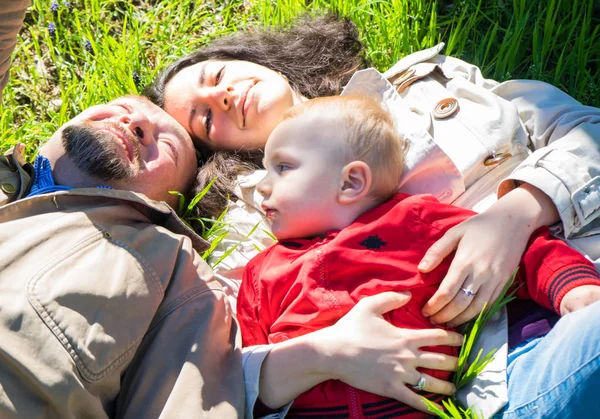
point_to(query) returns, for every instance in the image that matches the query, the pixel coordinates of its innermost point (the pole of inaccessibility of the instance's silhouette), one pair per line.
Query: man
(106, 308)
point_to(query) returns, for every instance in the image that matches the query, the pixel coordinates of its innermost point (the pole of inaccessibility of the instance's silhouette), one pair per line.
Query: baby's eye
(281, 167)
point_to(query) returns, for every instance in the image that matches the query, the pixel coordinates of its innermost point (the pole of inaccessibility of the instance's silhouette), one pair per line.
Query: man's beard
(96, 153)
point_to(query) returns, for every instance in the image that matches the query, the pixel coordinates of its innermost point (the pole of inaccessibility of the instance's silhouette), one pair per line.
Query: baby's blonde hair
(370, 133)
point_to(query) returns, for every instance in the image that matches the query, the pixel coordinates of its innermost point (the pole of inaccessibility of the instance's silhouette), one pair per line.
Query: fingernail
(423, 265)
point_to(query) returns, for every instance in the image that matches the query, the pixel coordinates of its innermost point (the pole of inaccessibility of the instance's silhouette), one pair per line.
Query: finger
(407, 396)
(439, 250)
(484, 298)
(435, 385)
(458, 304)
(437, 361)
(449, 288)
(436, 337)
(384, 302)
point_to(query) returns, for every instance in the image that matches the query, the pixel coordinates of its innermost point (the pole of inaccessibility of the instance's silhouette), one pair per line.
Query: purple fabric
(528, 320)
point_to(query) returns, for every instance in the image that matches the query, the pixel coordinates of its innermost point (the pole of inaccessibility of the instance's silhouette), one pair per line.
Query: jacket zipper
(355, 410)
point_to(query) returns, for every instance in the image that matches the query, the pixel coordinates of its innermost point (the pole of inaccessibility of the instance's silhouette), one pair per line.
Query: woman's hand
(488, 248)
(370, 354)
(363, 350)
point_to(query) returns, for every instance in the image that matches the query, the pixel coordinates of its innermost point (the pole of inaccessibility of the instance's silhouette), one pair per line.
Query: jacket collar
(158, 212)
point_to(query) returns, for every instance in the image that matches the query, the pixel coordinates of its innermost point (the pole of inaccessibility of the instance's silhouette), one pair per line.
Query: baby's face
(304, 161)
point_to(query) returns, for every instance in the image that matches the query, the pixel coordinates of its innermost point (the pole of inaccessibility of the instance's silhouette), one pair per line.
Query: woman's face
(229, 105)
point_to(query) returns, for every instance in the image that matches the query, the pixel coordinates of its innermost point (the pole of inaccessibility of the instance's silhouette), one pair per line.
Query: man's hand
(579, 297)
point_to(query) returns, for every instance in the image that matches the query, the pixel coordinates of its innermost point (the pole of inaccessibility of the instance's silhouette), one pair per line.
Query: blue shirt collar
(43, 181)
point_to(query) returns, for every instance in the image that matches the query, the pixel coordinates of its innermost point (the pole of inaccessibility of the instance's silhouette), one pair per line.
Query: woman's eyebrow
(202, 78)
(191, 119)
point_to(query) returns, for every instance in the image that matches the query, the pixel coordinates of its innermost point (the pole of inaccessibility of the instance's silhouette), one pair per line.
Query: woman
(230, 95)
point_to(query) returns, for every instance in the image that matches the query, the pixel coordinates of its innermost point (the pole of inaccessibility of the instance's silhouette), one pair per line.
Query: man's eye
(219, 75)
(125, 106)
(172, 148)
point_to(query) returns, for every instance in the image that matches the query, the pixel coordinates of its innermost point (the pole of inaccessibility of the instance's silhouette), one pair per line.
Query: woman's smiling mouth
(245, 102)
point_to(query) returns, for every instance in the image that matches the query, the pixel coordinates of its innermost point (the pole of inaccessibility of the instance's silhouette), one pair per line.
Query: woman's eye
(219, 75)
(208, 122)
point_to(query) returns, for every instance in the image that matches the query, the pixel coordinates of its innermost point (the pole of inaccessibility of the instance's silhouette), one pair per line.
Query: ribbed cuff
(569, 278)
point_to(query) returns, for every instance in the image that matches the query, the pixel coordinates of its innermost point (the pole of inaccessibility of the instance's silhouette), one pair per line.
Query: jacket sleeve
(254, 327)
(254, 321)
(12, 14)
(566, 162)
(189, 362)
(550, 269)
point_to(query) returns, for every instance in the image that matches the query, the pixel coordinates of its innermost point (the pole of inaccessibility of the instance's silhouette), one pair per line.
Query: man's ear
(356, 182)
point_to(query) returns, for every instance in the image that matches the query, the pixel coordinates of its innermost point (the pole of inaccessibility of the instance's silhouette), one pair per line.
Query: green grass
(101, 49)
(54, 76)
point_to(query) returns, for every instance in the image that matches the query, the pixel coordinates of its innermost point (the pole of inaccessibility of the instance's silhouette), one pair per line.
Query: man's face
(304, 158)
(131, 144)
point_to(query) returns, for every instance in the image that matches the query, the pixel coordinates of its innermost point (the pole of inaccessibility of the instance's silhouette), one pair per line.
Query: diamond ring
(468, 292)
(421, 384)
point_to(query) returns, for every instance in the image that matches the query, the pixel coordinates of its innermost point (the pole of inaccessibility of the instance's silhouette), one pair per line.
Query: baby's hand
(579, 297)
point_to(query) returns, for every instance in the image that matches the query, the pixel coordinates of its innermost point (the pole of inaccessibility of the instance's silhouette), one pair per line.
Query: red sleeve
(550, 268)
(252, 319)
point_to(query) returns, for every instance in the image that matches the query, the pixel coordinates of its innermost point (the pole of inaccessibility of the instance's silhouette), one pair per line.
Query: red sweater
(298, 286)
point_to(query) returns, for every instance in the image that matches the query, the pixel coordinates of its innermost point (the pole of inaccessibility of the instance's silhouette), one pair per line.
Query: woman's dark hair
(223, 167)
(317, 55)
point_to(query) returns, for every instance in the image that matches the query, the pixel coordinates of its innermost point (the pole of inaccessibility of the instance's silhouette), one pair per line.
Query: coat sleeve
(566, 162)
(12, 13)
(189, 363)
(550, 269)
(565, 137)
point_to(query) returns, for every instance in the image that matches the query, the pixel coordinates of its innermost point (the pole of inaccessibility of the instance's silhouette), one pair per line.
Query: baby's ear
(356, 182)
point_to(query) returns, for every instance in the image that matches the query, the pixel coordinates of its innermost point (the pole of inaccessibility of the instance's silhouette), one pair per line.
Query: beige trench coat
(107, 310)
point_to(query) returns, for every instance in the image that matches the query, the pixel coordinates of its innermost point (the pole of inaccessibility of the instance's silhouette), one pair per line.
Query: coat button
(445, 108)
(404, 76)
(404, 80)
(496, 159)
(8, 188)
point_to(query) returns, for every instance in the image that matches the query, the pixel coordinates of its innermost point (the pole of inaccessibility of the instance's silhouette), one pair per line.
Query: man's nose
(139, 125)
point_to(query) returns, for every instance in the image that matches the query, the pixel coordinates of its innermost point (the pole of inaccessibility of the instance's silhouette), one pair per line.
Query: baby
(344, 233)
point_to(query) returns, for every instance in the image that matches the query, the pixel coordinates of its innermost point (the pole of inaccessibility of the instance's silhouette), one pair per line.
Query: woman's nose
(219, 96)
(139, 126)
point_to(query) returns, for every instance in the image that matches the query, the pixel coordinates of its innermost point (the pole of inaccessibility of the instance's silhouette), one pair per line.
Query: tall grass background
(72, 54)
